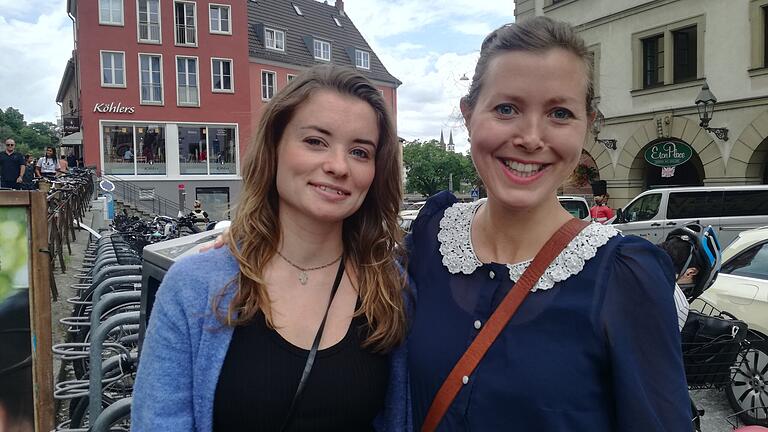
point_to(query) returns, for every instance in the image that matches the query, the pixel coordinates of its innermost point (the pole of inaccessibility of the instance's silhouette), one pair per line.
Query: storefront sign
(70, 125)
(668, 153)
(113, 108)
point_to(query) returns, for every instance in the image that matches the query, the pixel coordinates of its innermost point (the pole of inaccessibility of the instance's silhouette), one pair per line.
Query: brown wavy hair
(371, 237)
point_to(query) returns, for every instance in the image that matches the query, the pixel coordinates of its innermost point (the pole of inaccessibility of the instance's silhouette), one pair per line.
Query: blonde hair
(536, 34)
(371, 237)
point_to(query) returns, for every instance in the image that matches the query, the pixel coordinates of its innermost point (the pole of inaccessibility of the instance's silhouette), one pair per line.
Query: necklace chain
(303, 276)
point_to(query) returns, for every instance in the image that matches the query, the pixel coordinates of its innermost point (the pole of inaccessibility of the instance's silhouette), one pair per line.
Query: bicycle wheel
(748, 389)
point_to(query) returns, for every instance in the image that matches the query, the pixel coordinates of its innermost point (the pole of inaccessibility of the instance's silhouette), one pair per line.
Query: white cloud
(35, 44)
(473, 28)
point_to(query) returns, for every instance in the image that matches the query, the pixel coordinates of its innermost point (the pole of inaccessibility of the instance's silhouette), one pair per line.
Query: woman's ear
(466, 112)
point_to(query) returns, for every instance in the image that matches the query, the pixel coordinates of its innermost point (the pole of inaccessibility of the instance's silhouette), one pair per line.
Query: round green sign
(668, 153)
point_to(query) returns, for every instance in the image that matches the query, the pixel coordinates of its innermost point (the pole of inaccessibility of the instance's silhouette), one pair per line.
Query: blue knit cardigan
(185, 346)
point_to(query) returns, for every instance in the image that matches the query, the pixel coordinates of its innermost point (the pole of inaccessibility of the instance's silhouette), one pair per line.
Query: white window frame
(175, 19)
(162, 87)
(290, 77)
(362, 55)
(101, 68)
(297, 9)
(336, 20)
(113, 22)
(274, 39)
(266, 97)
(229, 18)
(231, 75)
(319, 43)
(197, 75)
(159, 25)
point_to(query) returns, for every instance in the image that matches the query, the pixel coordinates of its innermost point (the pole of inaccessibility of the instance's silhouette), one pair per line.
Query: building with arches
(651, 60)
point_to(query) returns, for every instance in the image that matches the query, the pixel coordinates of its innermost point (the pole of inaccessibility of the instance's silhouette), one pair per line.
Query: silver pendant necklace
(303, 276)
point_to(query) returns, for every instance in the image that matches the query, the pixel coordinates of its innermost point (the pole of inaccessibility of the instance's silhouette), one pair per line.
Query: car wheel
(748, 389)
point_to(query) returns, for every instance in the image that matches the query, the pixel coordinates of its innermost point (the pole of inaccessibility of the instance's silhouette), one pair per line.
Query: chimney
(340, 7)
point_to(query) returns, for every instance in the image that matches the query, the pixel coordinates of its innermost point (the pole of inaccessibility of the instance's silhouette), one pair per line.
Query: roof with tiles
(315, 22)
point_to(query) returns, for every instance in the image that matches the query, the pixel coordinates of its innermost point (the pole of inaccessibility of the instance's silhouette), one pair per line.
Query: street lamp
(597, 126)
(705, 104)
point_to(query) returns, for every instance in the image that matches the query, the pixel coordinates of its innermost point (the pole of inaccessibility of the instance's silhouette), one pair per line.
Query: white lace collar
(459, 256)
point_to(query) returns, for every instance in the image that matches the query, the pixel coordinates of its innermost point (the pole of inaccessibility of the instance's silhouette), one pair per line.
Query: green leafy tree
(429, 168)
(30, 138)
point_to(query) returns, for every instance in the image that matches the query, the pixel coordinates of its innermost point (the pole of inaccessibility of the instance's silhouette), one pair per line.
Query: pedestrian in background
(600, 212)
(71, 159)
(63, 165)
(12, 166)
(48, 165)
(29, 173)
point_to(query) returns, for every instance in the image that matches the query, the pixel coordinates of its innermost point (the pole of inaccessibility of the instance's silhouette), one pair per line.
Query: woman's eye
(505, 109)
(313, 141)
(562, 114)
(360, 153)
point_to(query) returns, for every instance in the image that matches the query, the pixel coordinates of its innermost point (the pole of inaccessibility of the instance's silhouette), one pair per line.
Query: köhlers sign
(668, 153)
(112, 107)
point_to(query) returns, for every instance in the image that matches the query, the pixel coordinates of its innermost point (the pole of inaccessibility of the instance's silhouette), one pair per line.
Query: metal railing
(131, 194)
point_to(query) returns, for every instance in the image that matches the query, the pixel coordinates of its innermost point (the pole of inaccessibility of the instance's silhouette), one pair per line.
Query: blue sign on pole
(475, 194)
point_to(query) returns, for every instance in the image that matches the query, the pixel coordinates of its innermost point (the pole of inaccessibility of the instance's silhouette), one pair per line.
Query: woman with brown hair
(288, 327)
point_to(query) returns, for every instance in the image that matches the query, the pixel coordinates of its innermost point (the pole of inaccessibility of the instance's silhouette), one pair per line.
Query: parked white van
(729, 209)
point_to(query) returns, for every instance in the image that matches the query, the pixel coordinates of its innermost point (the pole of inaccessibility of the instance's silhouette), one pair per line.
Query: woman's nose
(529, 134)
(336, 163)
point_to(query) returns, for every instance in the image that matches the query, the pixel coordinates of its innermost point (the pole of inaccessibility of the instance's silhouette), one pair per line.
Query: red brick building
(168, 92)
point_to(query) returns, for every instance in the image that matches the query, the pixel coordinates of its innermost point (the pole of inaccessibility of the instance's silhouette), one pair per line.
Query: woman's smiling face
(528, 125)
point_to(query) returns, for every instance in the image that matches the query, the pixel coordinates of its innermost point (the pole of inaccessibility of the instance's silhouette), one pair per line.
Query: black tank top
(261, 371)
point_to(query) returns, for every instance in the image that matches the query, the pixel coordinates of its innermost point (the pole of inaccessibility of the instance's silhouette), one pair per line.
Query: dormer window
(274, 39)
(336, 20)
(322, 50)
(362, 59)
(296, 8)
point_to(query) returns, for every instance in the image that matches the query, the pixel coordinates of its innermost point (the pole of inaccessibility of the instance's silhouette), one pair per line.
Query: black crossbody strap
(313, 350)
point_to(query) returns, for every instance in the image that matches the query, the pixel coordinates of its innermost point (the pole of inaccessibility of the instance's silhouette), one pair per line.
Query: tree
(33, 137)
(429, 167)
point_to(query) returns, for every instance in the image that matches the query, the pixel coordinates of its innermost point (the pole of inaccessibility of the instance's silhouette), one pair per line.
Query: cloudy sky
(428, 44)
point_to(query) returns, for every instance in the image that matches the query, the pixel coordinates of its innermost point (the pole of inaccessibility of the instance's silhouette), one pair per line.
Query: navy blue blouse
(598, 351)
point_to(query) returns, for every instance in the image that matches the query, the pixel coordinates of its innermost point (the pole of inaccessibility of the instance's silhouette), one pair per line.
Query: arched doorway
(689, 173)
(757, 168)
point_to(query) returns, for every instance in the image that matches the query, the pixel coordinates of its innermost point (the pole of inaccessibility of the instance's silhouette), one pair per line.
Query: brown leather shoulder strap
(498, 320)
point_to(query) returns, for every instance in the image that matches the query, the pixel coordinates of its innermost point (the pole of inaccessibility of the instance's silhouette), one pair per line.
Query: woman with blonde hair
(289, 326)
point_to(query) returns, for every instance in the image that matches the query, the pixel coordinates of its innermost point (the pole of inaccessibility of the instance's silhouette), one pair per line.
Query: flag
(667, 172)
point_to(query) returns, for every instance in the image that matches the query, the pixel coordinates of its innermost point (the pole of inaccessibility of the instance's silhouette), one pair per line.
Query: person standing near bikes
(48, 165)
(288, 327)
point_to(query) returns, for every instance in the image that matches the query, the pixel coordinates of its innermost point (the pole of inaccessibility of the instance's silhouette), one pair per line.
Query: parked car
(412, 209)
(576, 206)
(729, 209)
(741, 289)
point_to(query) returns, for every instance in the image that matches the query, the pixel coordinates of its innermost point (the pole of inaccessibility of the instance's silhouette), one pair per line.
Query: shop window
(362, 59)
(222, 150)
(149, 21)
(221, 75)
(219, 19)
(268, 86)
(112, 69)
(274, 39)
(290, 77)
(150, 149)
(151, 79)
(111, 12)
(186, 23)
(131, 149)
(118, 150)
(653, 61)
(215, 201)
(193, 155)
(207, 150)
(322, 50)
(187, 88)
